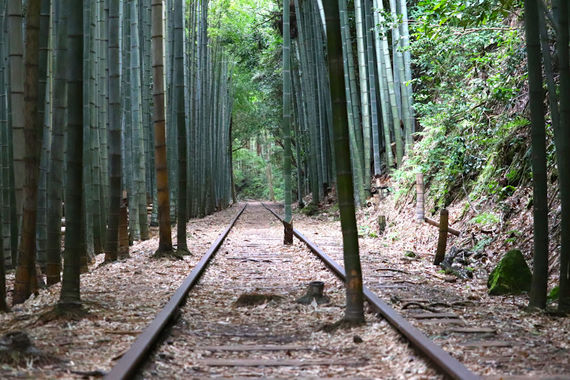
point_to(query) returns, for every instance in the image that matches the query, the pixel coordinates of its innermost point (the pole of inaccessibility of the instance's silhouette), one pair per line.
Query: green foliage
(470, 71)
(246, 30)
(486, 219)
(366, 231)
(554, 294)
(481, 244)
(250, 175)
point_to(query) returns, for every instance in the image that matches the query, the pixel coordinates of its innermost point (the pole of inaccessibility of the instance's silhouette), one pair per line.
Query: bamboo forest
(375, 189)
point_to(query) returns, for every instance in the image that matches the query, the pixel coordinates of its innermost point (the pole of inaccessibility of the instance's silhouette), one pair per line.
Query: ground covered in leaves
(217, 336)
(121, 298)
(494, 336)
(243, 320)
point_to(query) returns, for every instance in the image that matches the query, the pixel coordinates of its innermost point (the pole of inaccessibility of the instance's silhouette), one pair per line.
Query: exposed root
(183, 251)
(64, 312)
(171, 254)
(342, 324)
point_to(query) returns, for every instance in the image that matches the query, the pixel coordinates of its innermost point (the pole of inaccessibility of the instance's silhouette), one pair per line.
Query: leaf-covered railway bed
(495, 337)
(242, 319)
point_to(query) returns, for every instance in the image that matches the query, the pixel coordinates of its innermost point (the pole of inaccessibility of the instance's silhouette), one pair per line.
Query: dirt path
(264, 337)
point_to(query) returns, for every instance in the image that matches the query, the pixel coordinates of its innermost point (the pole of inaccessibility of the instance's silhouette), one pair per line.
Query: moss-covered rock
(511, 276)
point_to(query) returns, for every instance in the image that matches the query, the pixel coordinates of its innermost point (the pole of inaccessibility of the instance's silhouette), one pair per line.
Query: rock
(357, 339)
(511, 276)
(314, 292)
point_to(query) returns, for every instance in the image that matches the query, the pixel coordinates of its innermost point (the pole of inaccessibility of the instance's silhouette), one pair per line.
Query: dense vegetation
(248, 110)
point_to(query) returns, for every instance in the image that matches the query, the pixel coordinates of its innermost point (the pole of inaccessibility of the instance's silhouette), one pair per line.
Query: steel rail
(131, 361)
(445, 362)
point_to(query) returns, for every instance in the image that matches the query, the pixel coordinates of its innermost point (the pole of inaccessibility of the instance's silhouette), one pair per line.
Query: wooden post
(420, 197)
(442, 241)
(288, 238)
(450, 230)
(381, 224)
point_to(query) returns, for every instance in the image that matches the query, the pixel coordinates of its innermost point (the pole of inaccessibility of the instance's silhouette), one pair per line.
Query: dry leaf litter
(494, 336)
(253, 260)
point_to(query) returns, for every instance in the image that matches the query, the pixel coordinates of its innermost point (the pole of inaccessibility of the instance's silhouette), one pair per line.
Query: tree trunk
(287, 113)
(180, 125)
(26, 282)
(16, 64)
(74, 230)
(538, 158)
(354, 312)
(115, 135)
(564, 155)
(165, 238)
(55, 178)
(364, 92)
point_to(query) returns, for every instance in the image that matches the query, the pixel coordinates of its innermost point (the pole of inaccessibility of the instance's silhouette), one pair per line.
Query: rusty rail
(445, 362)
(131, 361)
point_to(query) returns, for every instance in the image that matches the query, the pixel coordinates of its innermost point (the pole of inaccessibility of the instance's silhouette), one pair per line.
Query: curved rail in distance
(130, 362)
(448, 364)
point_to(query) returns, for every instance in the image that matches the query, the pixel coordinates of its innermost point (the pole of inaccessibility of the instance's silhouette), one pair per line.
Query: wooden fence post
(442, 241)
(420, 197)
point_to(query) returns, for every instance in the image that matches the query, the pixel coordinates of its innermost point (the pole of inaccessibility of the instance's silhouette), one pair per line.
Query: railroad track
(213, 332)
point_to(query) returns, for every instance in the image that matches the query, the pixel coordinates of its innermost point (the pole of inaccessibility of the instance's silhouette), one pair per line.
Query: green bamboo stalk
(16, 117)
(3, 145)
(390, 82)
(355, 151)
(372, 80)
(405, 47)
(138, 167)
(55, 179)
(44, 96)
(354, 312)
(286, 126)
(89, 115)
(115, 136)
(5, 157)
(165, 239)
(538, 160)
(387, 121)
(354, 96)
(304, 52)
(180, 125)
(399, 72)
(564, 163)
(74, 234)
(364, 92)
(26, 282)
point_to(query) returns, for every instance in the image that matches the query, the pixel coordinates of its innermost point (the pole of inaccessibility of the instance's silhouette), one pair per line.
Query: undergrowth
(470, 102)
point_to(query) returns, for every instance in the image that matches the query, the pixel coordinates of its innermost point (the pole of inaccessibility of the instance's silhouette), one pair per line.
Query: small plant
(553, 294)
(482, 244)
(486, 219)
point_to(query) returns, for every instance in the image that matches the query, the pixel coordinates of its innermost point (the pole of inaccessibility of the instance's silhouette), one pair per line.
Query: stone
(511, 276)
(314, 292)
